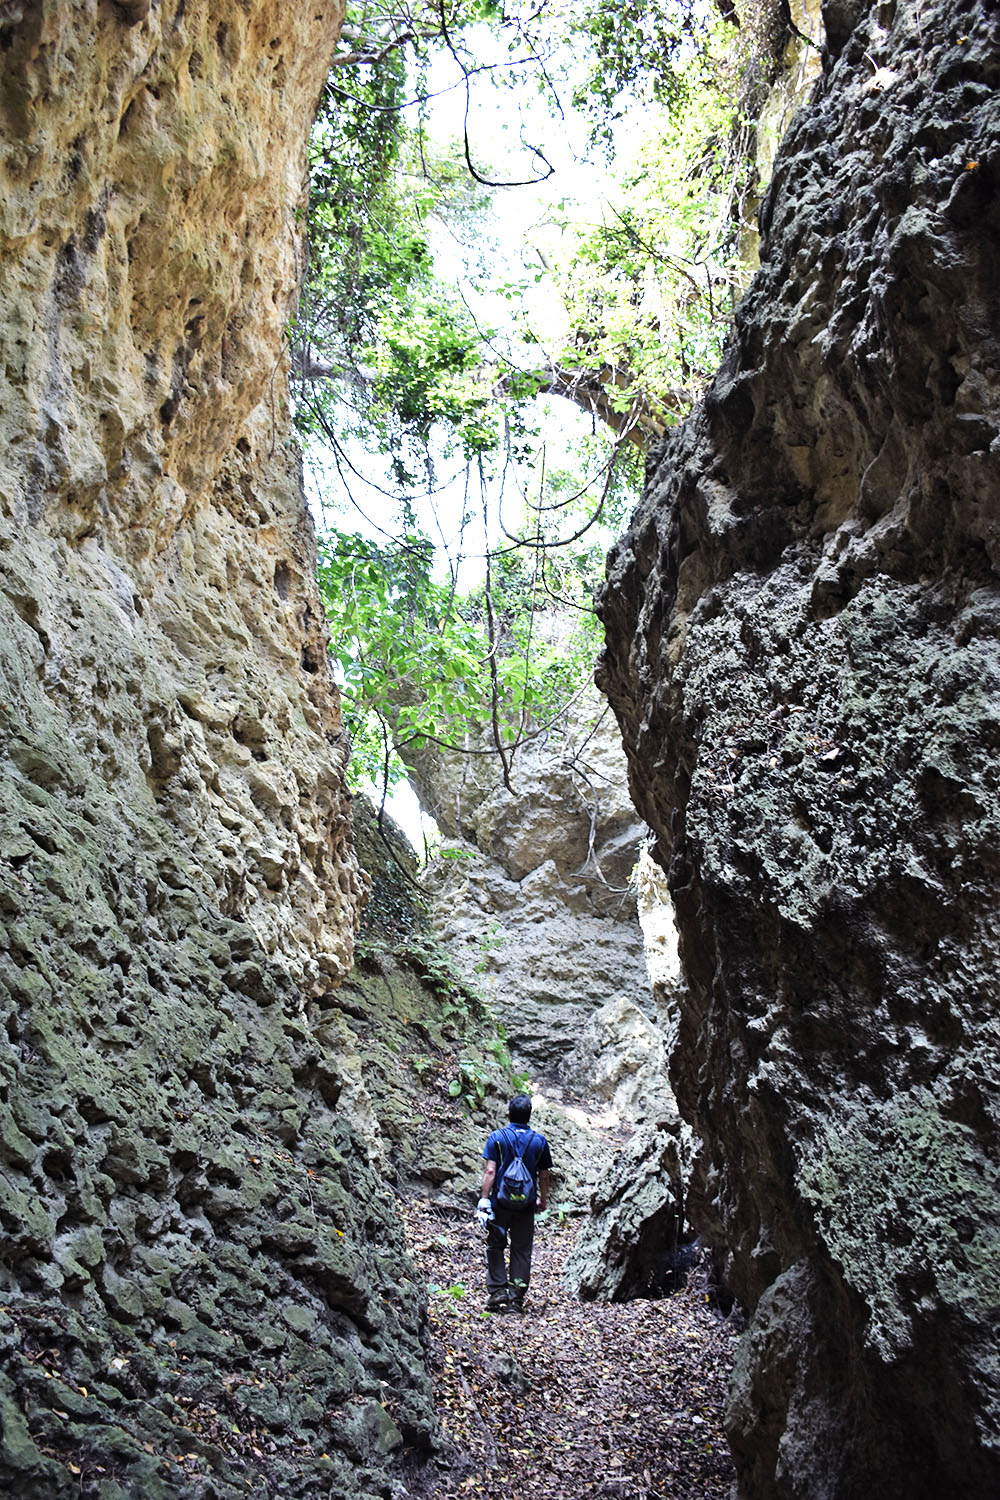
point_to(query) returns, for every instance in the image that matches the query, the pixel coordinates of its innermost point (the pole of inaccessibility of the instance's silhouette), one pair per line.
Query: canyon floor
(570, 1400)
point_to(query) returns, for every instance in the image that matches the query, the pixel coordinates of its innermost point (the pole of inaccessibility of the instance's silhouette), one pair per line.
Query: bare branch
(485, 181)
(494, 681)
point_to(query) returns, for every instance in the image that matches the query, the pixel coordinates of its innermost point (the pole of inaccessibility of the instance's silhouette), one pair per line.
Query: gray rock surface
(204, 1281)
(534, 896)
(627, 1244)
(637, 1208)
(567, 805)
(620, 1059)
(803, 630)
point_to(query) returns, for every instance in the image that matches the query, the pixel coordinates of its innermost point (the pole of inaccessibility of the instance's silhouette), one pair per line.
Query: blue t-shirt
(503, 1145)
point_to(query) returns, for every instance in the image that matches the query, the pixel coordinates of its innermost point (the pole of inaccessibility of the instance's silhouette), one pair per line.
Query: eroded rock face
(803, 654)
(620, 1060)
(629, 1245)
(196, 1241)
(535, 899)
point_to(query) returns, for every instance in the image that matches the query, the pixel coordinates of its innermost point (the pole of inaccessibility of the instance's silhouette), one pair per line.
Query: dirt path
(571, 1400)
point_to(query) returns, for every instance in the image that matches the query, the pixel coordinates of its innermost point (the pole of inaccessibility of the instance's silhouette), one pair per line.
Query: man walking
(515, 1186)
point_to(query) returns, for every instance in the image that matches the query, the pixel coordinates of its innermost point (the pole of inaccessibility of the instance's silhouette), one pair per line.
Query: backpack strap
(521, 1143)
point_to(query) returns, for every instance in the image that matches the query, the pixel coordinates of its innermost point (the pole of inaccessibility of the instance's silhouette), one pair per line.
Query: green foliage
(520, 1083)
(396, 340)
(489, 942)
(415, 658)
(470, 1085)
(392, 356)
(648, 290)
(633, 54)
(434, 965)
(412, 370)
(394, 631)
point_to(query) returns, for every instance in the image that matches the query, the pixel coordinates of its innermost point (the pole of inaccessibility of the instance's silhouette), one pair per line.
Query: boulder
(629, 1243)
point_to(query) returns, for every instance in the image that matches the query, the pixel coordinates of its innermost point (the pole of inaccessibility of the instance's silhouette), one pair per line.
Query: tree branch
(594, 390)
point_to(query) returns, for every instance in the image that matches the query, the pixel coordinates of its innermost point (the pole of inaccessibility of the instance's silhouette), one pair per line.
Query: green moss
(907, 1200)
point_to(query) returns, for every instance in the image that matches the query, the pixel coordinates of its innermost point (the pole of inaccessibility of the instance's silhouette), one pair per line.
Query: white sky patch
(521, 235)
(403, 805)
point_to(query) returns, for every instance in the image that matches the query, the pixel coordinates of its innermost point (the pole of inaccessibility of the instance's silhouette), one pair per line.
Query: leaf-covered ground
(570, 1400)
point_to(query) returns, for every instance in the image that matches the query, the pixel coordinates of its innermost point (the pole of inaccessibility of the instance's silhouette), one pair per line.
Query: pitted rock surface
(803, 629)
(630, 1241)
(535, 898)
(205, 1289)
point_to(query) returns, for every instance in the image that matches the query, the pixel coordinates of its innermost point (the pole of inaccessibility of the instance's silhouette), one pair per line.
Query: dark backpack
(516, 1187)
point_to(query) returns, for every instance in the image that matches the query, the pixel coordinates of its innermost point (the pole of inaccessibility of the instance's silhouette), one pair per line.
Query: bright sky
(503, 124)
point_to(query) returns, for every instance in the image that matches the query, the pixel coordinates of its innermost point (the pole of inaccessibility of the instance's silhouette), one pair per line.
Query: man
(512, 1221)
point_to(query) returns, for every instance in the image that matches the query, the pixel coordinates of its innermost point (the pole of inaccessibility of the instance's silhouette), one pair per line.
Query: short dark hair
(519, 1109)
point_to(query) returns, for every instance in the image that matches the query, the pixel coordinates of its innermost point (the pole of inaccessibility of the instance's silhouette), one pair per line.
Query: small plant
(470, 1084)
(456, 1291)
(422, 1065)
(493, 938)
(431, 962)
(498, 1048)
(455, 1006)
(369, 953)
(435, 968)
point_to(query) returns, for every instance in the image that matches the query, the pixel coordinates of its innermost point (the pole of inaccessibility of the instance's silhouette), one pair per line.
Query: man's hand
(484, 1214)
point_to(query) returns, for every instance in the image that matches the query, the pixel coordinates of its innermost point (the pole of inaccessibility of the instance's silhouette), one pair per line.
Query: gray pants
(520, 1227)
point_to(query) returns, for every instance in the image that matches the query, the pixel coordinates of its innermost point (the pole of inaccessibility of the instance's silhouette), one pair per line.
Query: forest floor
(570, 1400)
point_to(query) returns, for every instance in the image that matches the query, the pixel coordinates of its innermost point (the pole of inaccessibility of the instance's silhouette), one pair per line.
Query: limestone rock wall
(203, 1278)
(157, 560)
(534, 898)
(803, 654)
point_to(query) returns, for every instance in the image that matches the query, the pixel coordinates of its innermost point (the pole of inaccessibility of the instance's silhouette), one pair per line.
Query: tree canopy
(440, 316)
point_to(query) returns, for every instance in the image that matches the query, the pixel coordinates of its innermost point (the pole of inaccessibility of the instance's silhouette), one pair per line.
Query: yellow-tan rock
(193, 1230)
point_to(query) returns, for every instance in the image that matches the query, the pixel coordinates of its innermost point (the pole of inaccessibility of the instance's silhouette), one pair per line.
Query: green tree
(393, 357)
(420, 662)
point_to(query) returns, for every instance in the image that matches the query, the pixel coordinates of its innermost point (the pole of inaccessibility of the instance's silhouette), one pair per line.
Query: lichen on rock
(205, 1280)
(803, 628)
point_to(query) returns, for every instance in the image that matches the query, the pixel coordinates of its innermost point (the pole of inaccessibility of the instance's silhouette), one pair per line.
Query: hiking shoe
(516, 1305)
(497, 1303)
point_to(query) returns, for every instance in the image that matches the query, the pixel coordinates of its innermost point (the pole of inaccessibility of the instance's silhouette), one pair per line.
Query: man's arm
(489, 1177)
(543, 1188)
